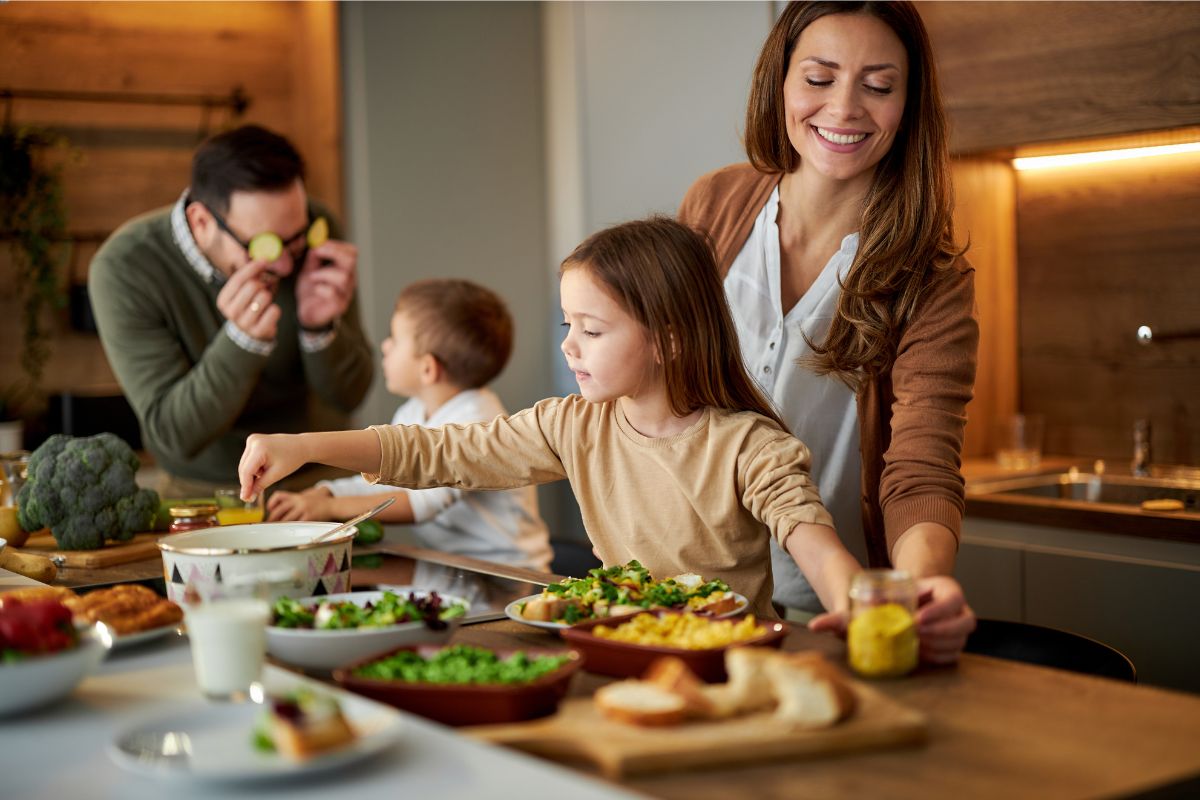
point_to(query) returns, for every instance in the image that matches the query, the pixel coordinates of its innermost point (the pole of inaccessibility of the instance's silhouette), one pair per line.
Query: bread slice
(672, 674)
(547, 609)
(304, 725)
(748, 689)
(809, 691)
(640, 703)
(30, 593)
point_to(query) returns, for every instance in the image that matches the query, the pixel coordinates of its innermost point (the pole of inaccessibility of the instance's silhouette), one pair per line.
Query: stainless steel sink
(1091, 488)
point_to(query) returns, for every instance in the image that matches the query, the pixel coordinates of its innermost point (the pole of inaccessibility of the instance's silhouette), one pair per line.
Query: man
(210, 343)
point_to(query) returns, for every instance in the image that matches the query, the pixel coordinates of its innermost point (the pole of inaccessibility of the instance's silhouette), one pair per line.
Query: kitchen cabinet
(1137, 595)
(1016, 72)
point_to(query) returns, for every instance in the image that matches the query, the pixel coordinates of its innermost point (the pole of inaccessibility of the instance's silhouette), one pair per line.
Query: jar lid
(193, 510)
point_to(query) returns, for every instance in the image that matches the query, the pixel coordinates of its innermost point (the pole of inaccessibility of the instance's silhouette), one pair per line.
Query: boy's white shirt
(495, 526)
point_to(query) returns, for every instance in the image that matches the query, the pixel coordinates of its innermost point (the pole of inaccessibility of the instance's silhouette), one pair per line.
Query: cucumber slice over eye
(266, 247)
(318, 232)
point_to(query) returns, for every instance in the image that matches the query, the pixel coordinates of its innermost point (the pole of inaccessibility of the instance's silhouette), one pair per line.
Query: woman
(854, 308)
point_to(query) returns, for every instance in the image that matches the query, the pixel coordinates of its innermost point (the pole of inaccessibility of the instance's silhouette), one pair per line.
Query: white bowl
(328, 649)
(38, 680)
(214, 555)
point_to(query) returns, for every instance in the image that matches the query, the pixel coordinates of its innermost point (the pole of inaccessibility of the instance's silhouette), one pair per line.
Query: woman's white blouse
(821, 411)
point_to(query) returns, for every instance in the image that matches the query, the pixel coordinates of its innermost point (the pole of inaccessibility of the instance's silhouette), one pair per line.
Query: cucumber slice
(318, 232)
(266, 247)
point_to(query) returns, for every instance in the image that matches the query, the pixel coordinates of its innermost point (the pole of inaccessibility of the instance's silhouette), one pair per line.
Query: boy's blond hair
(466, 327)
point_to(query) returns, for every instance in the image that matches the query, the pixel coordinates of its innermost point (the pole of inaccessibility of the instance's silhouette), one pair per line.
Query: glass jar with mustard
(882, 636)
(192, 516)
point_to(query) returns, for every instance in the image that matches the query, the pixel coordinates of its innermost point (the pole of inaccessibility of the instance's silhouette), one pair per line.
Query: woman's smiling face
(844, 95)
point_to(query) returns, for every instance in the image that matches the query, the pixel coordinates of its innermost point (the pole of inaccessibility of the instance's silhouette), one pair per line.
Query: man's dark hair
(250, 158)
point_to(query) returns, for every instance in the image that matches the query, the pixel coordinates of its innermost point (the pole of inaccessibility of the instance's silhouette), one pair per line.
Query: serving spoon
(329, 534)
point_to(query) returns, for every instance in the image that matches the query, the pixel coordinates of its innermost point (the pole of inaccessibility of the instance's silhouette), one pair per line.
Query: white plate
(220, 742)
(512, 613)
(39, 680)
(328, 649)
(129, 639)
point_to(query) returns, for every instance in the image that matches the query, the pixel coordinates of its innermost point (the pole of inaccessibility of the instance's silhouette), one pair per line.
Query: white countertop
(59, 751)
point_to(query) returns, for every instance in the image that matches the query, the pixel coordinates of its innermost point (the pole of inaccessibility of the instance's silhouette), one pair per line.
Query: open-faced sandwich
(627, 589)
(301, 724)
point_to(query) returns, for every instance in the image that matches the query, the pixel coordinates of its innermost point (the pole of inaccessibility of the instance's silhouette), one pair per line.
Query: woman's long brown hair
(664, 275)
(907, 233)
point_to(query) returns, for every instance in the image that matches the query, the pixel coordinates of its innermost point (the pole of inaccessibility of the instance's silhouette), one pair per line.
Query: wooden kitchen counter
(996, 729)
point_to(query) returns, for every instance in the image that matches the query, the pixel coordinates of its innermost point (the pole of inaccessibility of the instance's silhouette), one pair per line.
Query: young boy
(449, 339)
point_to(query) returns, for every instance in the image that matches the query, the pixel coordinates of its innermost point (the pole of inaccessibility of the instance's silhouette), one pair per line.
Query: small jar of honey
(882, 636)
(192, 516)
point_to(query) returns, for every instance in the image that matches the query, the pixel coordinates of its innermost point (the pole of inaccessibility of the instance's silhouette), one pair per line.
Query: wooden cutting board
(579, 732)
(141, 546)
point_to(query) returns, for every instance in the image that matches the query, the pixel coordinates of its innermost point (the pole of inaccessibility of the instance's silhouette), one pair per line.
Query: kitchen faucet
(1141, 448)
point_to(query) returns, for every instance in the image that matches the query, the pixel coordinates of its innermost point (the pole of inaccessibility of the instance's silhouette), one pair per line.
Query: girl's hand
(307, 505)
(834, 621)
(268, 458)
(944, 620)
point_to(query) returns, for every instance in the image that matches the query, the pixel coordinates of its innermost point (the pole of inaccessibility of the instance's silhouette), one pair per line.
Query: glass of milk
(227, 625)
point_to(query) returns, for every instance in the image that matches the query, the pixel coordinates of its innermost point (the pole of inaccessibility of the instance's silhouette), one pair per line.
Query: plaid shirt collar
(187, 243)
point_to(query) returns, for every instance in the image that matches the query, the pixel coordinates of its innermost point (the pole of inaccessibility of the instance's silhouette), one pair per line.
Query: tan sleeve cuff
(387, 458)
(811, 514)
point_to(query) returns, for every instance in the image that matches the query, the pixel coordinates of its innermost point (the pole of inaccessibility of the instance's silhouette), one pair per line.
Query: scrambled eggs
(684, 631)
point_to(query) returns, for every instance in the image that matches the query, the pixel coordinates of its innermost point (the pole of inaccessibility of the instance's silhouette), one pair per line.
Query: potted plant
(33, 220)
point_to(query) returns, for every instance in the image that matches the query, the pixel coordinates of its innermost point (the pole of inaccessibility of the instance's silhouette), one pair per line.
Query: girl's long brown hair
(907, 233)
(664, 275)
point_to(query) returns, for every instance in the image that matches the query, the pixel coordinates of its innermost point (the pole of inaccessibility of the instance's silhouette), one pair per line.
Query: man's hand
(245, 300)
(311, 504)
(326, 283)
(268, 458)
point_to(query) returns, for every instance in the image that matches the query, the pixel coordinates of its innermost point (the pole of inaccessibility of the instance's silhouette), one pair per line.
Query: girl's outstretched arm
(826, 563)
(270, 457)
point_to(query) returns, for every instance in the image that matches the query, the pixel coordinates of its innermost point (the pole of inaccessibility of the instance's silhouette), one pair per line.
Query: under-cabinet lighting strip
(1076, 159)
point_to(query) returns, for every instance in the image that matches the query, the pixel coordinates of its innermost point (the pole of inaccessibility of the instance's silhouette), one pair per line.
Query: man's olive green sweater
(196, 393)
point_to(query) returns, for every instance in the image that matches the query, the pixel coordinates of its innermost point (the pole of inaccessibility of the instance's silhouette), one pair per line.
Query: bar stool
(1049, 647)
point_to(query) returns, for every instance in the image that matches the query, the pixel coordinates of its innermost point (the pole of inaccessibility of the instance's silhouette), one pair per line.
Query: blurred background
(485, 140)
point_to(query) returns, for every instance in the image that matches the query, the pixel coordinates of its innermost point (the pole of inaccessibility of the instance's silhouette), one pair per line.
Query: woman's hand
(944, 620)
(268, 458)
(311, 504)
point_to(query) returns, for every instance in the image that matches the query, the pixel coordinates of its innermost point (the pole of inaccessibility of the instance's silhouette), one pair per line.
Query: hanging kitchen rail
(237, 100)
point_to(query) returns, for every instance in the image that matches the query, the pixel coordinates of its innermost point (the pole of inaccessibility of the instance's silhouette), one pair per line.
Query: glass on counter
(233, 510)
(882, 637)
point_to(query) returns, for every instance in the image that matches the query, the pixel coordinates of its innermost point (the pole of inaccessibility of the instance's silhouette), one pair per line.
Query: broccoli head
(83, 489)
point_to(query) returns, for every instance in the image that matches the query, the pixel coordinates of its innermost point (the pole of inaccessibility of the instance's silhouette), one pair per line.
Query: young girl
(674, 455)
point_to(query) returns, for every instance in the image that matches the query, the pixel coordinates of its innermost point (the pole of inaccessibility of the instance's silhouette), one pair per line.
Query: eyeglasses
(296, 246)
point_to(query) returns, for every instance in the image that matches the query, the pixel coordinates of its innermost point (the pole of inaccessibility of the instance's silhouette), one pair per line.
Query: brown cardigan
(911, 419)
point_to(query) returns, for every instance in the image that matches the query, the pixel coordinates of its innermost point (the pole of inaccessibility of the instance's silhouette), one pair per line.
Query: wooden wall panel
(985, 216)
(127, 159)
(1102, 250)
(1019, 72)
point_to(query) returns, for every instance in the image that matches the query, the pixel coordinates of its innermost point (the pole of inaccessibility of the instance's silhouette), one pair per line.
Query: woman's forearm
(926, 549)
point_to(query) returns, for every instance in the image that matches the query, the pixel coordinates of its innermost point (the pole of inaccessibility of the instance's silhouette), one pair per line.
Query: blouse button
(771, 346)
(767, 370)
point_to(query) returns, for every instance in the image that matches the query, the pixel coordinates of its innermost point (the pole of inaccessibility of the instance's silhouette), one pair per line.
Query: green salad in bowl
(322, 633)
